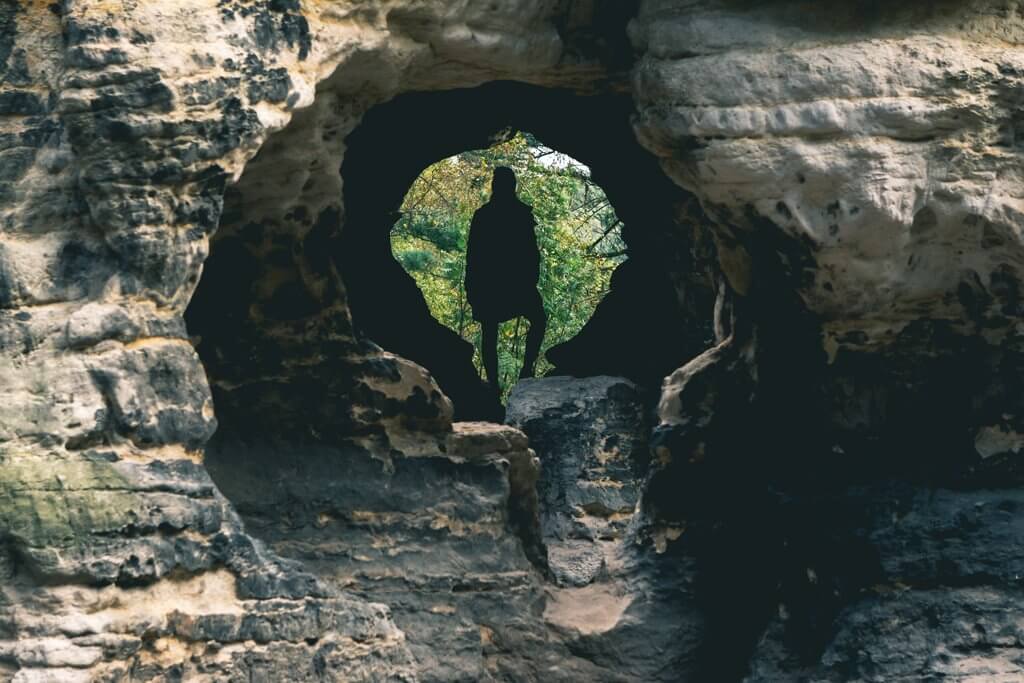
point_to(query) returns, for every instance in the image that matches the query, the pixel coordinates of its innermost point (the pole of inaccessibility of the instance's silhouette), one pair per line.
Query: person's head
(504, 182)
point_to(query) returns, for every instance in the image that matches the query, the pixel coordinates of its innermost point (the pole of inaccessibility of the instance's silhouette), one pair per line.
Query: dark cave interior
(641, 330)
(656, 316)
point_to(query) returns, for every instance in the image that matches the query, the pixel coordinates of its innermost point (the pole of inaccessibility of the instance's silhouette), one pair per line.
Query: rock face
(610, 602)
(445, 539)
(824, 214)
(591, 437)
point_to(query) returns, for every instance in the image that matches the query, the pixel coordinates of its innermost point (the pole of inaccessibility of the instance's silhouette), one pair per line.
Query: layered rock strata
(835, 478)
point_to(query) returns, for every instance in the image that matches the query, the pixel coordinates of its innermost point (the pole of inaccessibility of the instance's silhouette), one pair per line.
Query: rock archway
(300, 243)
(858, 421)
(336, 445)
(657, 314)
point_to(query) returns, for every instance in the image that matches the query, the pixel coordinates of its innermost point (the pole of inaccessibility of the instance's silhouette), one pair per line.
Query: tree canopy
(577, 231)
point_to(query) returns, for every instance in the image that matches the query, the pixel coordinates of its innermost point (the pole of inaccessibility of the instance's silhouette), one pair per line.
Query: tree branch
(608, 231)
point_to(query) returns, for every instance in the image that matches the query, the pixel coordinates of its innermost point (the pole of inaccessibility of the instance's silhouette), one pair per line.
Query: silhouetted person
(502, 268)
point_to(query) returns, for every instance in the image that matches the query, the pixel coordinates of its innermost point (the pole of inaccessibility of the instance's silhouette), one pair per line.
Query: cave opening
(655, 314)
(575, 229)
(336, 388)
(302, 292)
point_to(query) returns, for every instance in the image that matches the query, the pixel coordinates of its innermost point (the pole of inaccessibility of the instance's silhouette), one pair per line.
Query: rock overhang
(857, 168)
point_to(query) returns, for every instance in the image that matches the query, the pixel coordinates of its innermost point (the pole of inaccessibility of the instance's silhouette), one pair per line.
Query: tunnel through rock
(657, 312)
(863, 179)
(335, 444)
(301, 283)
(570, 222)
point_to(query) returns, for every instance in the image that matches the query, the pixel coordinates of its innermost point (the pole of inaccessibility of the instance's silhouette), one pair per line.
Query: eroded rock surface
(127, 570)
(609, 602)
(833, 484)
(591, 438)
(449, 540)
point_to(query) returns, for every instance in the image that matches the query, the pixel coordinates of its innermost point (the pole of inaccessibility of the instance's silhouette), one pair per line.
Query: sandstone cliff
(227, 448)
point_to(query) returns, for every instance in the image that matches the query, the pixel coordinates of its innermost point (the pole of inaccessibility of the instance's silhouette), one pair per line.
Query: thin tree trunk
(515, 351)
(572, 305)
(462, 305)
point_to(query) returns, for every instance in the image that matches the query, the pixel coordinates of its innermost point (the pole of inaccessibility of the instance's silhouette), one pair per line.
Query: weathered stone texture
(591, 437)
(873, 146)
(833, 486)
(443, 538)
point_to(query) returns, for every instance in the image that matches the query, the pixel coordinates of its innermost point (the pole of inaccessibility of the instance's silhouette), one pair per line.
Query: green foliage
(416, 260)
(577, 232)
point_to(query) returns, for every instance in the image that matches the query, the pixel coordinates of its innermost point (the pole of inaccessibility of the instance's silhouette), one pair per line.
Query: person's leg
(535, 337)
(489, 351)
